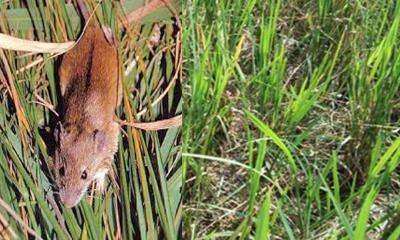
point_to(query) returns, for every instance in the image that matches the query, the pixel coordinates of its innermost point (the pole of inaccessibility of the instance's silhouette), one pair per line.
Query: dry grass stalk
(143, 11)
(6, 232)
(18, 44)
(157, 125)
(22, 121)
(14, 215)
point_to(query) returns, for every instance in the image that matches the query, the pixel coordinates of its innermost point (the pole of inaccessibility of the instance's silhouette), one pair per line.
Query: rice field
(292, 119)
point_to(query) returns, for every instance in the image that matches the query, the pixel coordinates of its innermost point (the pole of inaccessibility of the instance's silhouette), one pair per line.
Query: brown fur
(88, 136)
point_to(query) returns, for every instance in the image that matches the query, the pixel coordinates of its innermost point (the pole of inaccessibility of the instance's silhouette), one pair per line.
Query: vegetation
(292, 119)
(144, 201)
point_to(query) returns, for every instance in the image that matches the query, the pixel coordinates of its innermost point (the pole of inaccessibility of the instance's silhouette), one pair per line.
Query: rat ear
(99, 137)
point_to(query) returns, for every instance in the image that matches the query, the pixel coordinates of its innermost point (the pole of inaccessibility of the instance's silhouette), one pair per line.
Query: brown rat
(87, 137)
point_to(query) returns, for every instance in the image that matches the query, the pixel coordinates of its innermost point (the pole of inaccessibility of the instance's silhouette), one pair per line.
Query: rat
(87, 135)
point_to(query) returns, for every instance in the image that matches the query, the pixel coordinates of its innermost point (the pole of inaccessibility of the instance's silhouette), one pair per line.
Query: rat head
(81, 158)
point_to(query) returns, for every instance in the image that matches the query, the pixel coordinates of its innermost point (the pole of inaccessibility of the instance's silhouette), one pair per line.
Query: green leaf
(269, 133)
(263, 219)
(362, 221)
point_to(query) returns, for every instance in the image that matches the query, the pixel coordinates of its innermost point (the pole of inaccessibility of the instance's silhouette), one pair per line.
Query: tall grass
(144, 201)
(292, 119)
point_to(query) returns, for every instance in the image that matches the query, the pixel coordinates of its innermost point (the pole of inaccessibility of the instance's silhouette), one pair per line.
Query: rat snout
(70, 198)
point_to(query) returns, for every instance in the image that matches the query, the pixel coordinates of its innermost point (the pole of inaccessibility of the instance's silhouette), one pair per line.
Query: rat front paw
(100, 184)
(100, 180)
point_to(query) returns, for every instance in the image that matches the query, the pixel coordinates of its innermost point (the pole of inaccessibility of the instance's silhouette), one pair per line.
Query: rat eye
(84, 175)
(62, 171)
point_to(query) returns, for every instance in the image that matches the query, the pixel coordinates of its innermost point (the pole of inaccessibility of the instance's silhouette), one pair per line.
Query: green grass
(145, 202)
(292, 119)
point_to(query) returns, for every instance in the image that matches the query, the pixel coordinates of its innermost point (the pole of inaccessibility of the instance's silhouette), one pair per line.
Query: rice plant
(143, 201)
